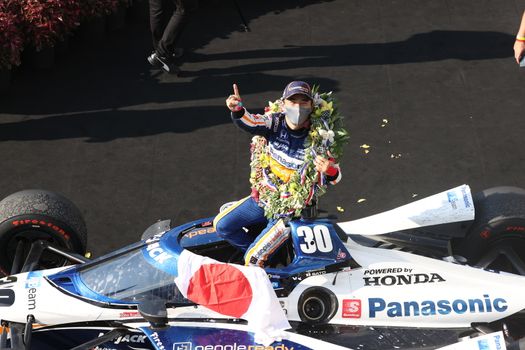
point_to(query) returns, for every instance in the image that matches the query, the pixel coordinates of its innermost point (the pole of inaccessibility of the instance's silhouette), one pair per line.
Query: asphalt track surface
(129, 144)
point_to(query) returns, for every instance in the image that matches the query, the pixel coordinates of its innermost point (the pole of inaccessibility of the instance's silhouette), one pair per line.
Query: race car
(399, 279)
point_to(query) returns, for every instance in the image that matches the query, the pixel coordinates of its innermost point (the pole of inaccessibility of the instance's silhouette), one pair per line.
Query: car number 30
(315, 240)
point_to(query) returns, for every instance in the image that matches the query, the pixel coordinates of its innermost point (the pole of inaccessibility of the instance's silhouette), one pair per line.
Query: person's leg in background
(156, 13)
(166, 50)
(176, 25)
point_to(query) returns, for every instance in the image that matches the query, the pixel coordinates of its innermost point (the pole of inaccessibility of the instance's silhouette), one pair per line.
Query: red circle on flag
(222, 288)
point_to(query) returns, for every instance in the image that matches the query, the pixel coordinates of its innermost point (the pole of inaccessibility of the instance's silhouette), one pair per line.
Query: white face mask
(297, 115)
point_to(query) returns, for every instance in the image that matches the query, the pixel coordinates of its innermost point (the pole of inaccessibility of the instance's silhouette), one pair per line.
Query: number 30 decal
(315, 240)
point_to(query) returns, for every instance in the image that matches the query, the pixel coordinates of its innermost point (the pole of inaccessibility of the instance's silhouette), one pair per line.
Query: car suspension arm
(35, 252)
(34, 255)
(17, 261)
(507, 252)
(76, 258)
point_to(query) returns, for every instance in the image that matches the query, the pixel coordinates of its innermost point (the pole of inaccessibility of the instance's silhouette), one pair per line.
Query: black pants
(166, 36)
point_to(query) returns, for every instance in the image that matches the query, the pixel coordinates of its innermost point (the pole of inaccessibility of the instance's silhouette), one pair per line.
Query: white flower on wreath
(317, 99)
(327, 135)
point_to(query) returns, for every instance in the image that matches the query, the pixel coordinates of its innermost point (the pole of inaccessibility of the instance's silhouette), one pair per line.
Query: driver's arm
(257, 124)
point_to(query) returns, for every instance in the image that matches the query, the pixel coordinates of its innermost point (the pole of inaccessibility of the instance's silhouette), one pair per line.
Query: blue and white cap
(297, 87)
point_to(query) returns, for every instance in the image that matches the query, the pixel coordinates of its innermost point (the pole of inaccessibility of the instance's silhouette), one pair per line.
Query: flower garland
(326, 136)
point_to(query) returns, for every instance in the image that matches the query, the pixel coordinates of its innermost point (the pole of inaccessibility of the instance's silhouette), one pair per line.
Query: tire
(496, 238)
(317, 305)
(32, 215)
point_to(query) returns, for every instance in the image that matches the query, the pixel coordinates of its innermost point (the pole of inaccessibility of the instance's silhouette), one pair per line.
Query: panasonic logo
(380, 307)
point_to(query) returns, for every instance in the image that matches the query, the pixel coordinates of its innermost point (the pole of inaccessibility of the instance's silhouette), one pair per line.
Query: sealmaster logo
(127, 314)
(351, 308)
(380, 307)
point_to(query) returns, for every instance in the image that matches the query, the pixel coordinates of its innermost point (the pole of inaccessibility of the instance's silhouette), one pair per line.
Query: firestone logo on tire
(351, 308)
(36, 222)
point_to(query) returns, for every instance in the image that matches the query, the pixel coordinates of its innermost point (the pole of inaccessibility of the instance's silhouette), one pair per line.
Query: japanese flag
(233, 290)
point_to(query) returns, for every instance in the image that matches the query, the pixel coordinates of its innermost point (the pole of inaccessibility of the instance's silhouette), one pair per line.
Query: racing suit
(287, 152)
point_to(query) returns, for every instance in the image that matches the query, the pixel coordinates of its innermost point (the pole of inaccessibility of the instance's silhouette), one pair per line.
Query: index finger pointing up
(236, 91)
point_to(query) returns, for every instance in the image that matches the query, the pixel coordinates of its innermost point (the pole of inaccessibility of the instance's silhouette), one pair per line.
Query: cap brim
(298, 93)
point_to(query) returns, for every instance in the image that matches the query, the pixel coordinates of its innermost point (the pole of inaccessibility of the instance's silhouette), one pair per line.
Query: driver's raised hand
(233, 102)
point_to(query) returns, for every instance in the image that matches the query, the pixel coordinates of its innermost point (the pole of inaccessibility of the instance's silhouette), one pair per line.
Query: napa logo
(379, 307)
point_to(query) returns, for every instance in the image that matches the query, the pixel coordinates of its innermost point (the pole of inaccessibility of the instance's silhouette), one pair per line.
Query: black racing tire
(33, 215)
(498, 231)
(317, 305)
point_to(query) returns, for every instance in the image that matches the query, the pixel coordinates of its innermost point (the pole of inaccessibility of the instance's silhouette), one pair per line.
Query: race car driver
(285, 133)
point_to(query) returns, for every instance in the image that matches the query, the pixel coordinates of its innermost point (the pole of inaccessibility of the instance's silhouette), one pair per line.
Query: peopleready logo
(182, 346)
(234, 346)
(378, 306)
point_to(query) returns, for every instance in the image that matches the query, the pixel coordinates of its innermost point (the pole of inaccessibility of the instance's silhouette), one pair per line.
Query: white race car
(414, 277)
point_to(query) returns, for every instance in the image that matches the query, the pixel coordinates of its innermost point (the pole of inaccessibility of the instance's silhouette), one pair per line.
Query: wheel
(37, 215)
(317, 305)
(496, 238)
